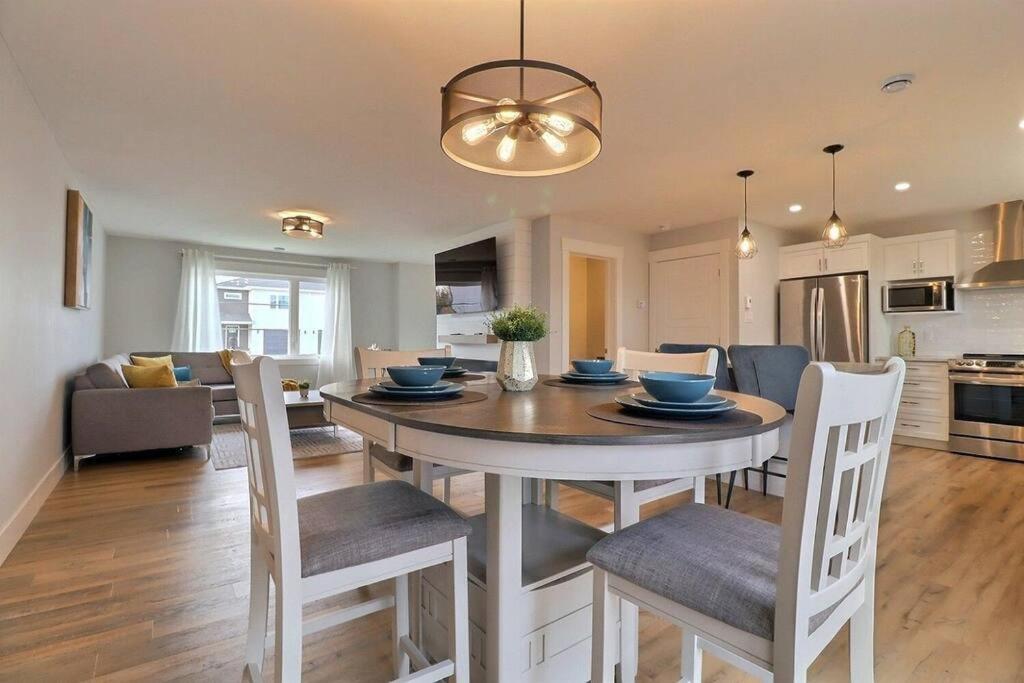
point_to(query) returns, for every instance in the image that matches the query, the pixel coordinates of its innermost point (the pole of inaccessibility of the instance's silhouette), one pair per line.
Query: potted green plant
(304, 389)
(518, 328)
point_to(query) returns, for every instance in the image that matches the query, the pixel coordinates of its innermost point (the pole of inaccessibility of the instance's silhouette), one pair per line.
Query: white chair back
(268, 454)
(634, 362)
(838, 456)
(372, 363)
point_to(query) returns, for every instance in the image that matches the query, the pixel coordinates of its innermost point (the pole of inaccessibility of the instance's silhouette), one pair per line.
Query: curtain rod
(271, 261)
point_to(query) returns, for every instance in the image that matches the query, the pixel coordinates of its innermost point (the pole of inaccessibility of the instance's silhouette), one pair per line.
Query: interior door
(797, 314)
(686, 298)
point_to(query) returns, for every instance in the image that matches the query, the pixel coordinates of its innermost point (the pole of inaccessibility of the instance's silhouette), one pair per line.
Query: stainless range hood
(1007, 270)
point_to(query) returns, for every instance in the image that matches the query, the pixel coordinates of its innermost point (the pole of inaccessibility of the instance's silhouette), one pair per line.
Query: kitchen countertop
(917, 359)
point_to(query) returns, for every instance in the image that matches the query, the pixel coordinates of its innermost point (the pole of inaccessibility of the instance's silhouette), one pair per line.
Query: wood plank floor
(136, 569)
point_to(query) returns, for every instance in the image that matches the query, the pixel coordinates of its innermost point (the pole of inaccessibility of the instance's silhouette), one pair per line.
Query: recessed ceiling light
(1021, 124)
(901, 186)
(664, 227)
(897, 83)
(795, 208)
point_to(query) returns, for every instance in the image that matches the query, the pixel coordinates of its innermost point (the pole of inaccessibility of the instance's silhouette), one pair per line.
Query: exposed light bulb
(507, 115)
(507, 146)
(555, 144)
(559, 123)
(834, 234)
(746, 247)
(474, 132)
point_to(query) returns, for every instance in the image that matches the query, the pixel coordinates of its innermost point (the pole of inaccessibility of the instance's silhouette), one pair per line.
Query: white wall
(42, 344)
(549, 280)
(758, 279)
(142, 296)
(415, 308)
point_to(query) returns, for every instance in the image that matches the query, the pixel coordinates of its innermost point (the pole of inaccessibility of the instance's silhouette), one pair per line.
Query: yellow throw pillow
(147, 362)
(149, 377)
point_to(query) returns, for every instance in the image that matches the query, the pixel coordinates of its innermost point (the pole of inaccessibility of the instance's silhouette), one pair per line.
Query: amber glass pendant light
(834, 235)
(521, 117)
(746, 247)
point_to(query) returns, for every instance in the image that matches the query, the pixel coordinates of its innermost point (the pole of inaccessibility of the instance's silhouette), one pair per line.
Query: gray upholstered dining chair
(771, 372)
(764, 597)
(335, 542)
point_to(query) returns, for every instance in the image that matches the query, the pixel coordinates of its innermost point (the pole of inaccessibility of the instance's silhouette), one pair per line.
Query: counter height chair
(628, 496)
(764, 597)
(373, 364)
(771, 372)
(336, 542)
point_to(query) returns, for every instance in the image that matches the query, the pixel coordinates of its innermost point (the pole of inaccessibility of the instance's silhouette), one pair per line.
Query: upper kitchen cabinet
(916, 257)
(808, 260)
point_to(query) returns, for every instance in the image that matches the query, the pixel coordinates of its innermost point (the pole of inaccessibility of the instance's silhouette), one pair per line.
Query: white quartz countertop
(917, 359)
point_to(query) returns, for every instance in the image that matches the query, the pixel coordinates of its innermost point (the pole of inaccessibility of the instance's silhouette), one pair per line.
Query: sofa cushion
(360, 524)
(149, 376)
(223, 392)
(102, 376)
(149, 361)
(183, 373)
(206, 365)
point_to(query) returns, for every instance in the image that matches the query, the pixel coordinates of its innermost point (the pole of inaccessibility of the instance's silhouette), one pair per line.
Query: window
(257, 313)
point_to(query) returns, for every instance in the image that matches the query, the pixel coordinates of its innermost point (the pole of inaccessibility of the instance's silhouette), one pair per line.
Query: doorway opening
(589, 306)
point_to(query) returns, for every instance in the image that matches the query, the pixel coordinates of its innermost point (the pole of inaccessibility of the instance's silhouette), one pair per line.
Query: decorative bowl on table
(431, 392)
(446, 361)
(415, 375)
(573, 377)
(677, 387)
(593, 366)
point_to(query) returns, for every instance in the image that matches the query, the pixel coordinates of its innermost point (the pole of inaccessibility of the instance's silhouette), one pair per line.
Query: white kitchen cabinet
(808, 260)
(931, 255)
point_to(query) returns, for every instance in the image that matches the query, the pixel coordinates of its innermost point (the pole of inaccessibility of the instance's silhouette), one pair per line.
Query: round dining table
(545, 434)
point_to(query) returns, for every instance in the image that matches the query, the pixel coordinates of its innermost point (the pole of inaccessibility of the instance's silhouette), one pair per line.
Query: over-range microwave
(918, 296)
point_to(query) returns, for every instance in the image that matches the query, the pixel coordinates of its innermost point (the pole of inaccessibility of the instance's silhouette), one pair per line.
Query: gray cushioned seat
(396, 461)
(715, 561)
(371, 522)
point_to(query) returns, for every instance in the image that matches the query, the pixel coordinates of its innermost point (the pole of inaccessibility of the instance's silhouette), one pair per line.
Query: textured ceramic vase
(517, 366)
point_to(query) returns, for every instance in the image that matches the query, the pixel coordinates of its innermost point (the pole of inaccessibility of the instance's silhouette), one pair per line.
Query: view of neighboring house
(256, 314)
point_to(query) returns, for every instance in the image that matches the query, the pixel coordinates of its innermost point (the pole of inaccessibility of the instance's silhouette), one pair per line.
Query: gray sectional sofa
(109, 417)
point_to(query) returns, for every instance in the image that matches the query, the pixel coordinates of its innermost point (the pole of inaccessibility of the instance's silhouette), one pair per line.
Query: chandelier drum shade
(521, 117)
(303, 227)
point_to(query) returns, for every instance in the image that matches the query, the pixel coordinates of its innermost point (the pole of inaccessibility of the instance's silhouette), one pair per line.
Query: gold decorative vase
(517, 366)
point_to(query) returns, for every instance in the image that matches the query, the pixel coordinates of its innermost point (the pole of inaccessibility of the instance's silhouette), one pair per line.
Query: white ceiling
(198, 120)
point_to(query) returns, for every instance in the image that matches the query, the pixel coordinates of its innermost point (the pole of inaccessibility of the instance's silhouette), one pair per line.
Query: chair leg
(698, 489)
(862, 638)
(690, 658)
(746, 478)
(367, 462)
(288, 633)
(447, 495)
(259, 599)
(602, 642)
(764, 478)
(718, 487)
(551, 493)
(400, 626)
(627, 512)
(732, 485)
(458, 626)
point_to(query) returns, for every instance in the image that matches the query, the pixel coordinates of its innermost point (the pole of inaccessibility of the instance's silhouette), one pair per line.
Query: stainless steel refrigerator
(826, 315)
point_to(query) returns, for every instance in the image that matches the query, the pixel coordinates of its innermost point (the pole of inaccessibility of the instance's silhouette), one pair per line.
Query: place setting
(675, 399)
(452, 371)
(592, 373)
(417, 385)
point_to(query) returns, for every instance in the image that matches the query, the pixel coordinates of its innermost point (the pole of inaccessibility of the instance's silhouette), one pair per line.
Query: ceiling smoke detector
(897, 83)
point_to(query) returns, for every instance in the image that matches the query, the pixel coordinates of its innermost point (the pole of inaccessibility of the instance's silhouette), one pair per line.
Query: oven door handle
(988, 380)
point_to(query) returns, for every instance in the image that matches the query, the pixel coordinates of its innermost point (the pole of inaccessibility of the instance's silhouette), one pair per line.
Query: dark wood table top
(546, 414)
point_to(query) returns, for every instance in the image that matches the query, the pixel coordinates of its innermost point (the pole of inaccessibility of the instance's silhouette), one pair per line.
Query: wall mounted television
(466, 278)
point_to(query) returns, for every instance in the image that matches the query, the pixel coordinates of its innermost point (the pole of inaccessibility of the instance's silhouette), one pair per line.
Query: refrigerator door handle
(819, 323)
(811, 318)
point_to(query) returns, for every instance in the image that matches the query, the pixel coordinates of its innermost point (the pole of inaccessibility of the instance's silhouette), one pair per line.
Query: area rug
(228, 448)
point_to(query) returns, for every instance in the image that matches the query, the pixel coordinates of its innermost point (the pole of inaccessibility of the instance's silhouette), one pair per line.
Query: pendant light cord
(833, 182)
(744, 203)
(522, 42)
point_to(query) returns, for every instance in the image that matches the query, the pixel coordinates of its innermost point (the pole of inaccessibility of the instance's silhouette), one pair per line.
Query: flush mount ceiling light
(897, 83)
(521, 117)
(834, 235)
(795, 208)
(746, 247)
(302, 227)
(902, 186)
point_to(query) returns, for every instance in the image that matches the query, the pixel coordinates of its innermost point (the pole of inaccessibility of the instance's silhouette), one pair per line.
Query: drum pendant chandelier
(521, 117)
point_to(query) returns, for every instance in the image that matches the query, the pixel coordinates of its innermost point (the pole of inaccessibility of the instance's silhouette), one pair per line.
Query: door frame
(614, 255)
(726, 265)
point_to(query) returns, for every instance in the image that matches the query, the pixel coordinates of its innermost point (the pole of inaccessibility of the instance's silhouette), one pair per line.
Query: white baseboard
(16, 525)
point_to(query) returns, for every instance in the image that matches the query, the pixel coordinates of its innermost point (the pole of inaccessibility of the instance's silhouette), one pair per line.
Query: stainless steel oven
(912, 297)
(986, 406)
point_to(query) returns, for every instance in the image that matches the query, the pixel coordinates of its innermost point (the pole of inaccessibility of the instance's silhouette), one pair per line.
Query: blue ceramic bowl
(446, 361)
(593, 366)
(677, 387)
(415, 375)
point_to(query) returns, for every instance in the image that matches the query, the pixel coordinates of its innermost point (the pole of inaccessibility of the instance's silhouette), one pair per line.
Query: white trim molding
(615, 256)
(26, 512)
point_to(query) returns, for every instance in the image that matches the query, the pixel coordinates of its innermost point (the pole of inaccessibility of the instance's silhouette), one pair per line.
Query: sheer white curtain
(336, 363)
(197, 324)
